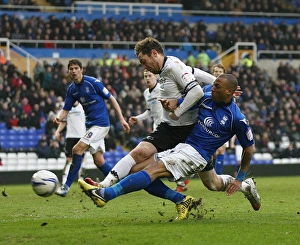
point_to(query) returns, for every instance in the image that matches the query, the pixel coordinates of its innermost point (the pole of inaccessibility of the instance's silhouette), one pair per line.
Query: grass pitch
(139, 218)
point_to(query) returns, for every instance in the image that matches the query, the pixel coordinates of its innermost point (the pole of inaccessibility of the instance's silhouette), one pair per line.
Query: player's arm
(59, 129)
(116, 106)
(61, 116)
(141, 117)
(202, 76)
(244, 135)
(193, 94)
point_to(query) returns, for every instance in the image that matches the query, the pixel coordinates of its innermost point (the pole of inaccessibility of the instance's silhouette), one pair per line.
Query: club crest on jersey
(87, 90)
(162, 83)
(224, 120)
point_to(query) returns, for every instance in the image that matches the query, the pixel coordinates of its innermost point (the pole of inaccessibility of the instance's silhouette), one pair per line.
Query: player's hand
(169, 104)
(173, 116)
(237, 92)
(132, 120)
(125, 126)
(233, 186)
(57, 136)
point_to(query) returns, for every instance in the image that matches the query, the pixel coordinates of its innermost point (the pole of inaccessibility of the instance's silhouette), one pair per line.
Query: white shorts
(238, 152)
(182, 161)
(94, 137)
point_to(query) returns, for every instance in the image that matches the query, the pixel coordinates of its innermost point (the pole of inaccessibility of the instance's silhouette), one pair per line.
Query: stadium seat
(41, 163)
(32, 156)
(22, 164)
(3, 131)
(52, 164)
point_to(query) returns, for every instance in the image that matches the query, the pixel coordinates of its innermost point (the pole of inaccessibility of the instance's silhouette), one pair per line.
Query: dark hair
(74, 62)
(232, 81)
(146, 45)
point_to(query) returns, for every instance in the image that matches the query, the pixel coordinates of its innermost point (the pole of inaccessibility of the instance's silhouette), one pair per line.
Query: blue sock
(131, 183)
(74, 169)
(105, 168)
(159, 189)
(219, 164)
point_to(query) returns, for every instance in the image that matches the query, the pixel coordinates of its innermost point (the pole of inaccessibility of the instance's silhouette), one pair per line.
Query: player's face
(219, 91)
(150, 63)
(150, 79)
(218, 71)
(75, 73)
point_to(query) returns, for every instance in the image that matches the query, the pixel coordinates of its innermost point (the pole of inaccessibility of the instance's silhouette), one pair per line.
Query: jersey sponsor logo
(208, 122)
(249, 134)
(87, 90)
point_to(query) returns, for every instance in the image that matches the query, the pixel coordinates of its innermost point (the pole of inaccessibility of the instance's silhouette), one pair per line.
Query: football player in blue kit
(219, 118)
(92, 95)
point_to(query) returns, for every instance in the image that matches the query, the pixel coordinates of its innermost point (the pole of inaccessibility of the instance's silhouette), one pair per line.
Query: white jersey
(175, 77)
(154, 106)
(76, 122)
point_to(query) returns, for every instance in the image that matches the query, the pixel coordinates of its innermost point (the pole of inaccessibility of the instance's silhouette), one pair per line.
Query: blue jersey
(216, 125)
(91, 94)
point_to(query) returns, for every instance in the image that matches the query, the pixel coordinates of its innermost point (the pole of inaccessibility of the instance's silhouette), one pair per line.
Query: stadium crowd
(270, 101)
(268, 36)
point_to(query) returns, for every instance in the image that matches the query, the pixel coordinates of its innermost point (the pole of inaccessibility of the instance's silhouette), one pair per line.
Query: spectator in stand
(47, 78)
(16, 81)
(2, 57)
(110, 142)
(13, 121)
(38, 72)
(25, 121)
(43, 150)
(26, 106)
(54, 149)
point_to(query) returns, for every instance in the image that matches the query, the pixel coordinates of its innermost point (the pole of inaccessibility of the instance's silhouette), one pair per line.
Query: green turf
(139, 218)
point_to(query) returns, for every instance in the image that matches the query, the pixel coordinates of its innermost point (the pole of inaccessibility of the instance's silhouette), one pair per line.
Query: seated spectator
(43, 150)
(54, 149)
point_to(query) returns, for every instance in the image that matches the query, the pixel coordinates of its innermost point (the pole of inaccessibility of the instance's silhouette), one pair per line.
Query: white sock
(226, 180)
(65, 172)
(119, 171)
(243, 188)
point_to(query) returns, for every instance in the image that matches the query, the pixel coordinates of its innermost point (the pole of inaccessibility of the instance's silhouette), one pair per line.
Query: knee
(139, 153)
(77, 150)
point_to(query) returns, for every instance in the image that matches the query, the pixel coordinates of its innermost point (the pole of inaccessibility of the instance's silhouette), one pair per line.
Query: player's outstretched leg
(183, 208)
(92, 192)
